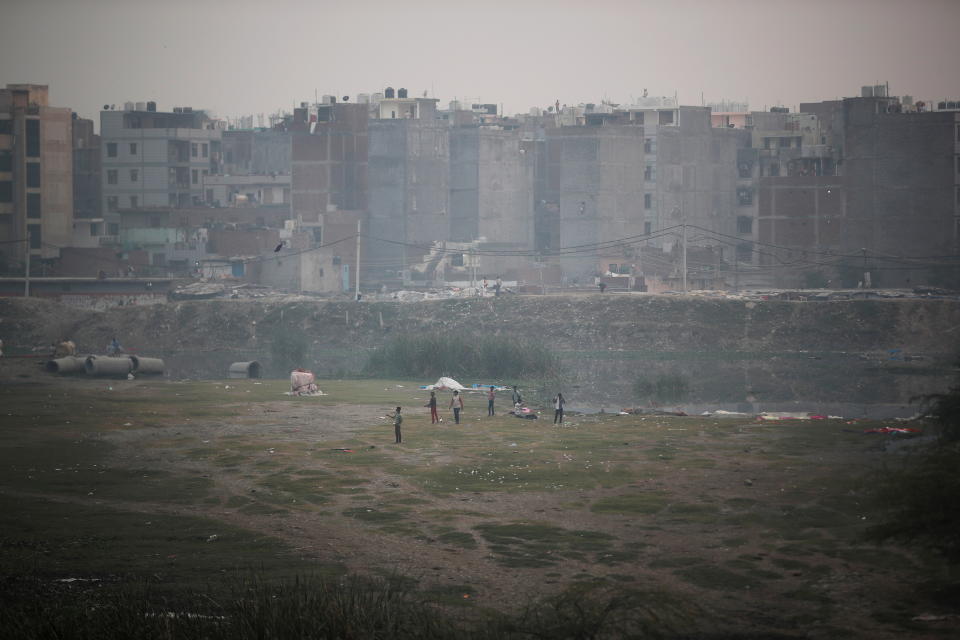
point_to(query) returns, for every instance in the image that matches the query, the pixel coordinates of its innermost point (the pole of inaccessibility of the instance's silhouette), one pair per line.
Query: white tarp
(445, 384)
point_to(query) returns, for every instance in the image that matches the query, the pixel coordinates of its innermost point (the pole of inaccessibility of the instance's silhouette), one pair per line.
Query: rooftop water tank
(388, 92)
(402, 93)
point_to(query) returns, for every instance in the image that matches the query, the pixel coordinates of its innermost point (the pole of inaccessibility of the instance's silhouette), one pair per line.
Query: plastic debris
(892, 430)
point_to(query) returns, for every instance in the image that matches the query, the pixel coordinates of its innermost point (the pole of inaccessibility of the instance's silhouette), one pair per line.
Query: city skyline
(254, 58)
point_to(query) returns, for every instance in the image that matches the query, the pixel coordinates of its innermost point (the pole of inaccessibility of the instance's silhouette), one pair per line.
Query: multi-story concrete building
(155, 159)
(256, 152)
(491, 185)
(875, 203)
(328, 179)
(409, 187)
(36, 181)
(87, 217)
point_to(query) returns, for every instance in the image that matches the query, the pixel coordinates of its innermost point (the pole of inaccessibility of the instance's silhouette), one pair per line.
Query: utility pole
(356, 276)
(26, 280)
(866, 276)
(683, 228)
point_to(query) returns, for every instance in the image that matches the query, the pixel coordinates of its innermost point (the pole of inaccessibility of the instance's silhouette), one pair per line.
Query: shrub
(447, 354)
(671, 387)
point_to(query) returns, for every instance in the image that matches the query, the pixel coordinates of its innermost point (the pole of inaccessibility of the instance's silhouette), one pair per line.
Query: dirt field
(755, 527)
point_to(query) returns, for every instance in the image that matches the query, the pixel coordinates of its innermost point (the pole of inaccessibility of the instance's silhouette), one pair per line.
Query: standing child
(434, 418)
(490, 396)
(558, 408)
(456, 403)
(397, 421)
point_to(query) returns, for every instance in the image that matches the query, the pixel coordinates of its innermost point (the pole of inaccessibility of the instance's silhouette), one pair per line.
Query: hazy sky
(243, 57)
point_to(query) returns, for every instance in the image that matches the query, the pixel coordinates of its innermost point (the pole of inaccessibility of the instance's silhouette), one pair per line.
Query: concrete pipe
(245, 369)
(107, 366)
(143, 365)
(67, 364)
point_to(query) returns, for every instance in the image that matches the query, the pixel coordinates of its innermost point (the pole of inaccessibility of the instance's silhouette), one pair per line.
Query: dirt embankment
(340, 333)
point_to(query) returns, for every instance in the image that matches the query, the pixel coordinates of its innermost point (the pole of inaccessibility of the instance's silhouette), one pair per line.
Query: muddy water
(848, 385)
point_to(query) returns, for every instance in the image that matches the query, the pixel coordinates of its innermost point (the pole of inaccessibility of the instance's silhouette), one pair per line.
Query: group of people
(456, 404)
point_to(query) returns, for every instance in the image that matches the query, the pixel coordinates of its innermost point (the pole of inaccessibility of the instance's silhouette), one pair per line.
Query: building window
(33, 138)
(33, 175)
(744, 252)
(6, 160)
(133, 148)
(193, 149)
(6, 127)
(648, 173)
(744, 224)
(745, 196)
(6, 191)
(94, 228)
(666, 117)
(194, 176)
(648, 146)
(111, 149)
(209, 195)
(134, 175)
(111, 176)
(112, 203)
(774, 169)
(113, 228)
(648, 201)
(33, 205)
(204, 148)
(647, 228)
(36, 237)
(134, 202)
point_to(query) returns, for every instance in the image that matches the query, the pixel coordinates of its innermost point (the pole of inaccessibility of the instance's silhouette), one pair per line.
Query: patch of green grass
(687, 512)
(538, 545)
(260, 509)
(374, 516)
(611, 558)
(673, 562)
(459, 539)
(715, 578)
(643, 503)
(505, 471)
(56, 539)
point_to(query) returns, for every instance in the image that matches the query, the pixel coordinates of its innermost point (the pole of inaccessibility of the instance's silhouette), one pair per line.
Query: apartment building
(36, 181)
(156, 159)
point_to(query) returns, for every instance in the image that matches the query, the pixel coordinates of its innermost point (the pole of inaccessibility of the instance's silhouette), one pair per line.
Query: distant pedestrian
(397, 421)
(603, 286)
(434, 418)
(456, 403)
(114, 348)
(516, 396)
(558, 408)
(496, 287)
(490, 396)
